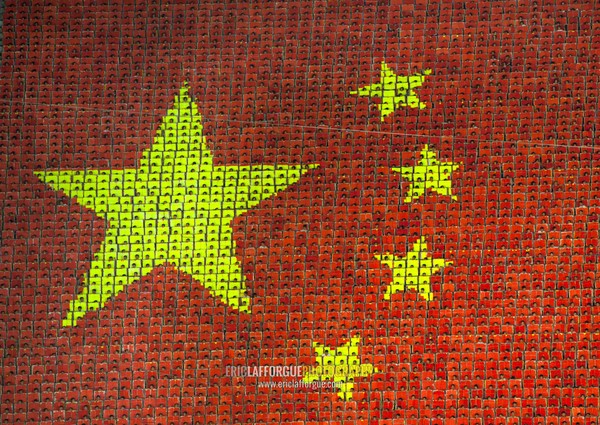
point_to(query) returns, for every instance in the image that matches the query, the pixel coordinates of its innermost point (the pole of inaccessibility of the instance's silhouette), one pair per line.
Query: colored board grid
(438, 266)
(2, 7)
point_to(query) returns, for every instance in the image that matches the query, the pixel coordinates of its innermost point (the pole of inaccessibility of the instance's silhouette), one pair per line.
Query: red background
(512, 335)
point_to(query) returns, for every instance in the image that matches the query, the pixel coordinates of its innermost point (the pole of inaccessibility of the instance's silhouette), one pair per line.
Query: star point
(394, 90)
(413, 271)
(429, 173)
(176, 207)
(341, 365)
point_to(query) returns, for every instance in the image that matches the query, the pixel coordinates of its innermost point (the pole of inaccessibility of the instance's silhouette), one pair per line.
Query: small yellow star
(429, 174)
(394, 90)
(341, 365)
(413, 271)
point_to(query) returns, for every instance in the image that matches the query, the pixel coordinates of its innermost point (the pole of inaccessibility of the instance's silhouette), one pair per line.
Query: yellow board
(412, 271)
(394, 90)
(429, 173)
(176, 207)
(340, 365)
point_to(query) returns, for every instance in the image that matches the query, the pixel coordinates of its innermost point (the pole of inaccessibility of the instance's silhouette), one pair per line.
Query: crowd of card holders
(541, 199)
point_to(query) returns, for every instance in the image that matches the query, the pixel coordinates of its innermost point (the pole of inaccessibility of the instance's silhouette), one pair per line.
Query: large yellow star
(176, 207)
(429, 173)
(412, 271)
(394, 90)
(340, 365)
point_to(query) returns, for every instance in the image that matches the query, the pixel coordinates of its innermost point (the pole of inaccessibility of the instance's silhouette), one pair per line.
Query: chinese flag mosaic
(300, 212)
